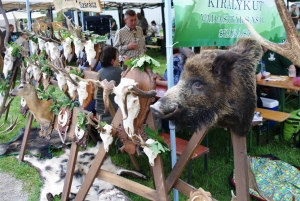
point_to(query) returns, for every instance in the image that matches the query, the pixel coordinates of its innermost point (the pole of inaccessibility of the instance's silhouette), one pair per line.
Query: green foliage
(34, 39)
(98, 39)
(103, 123)
(81, 120)
(15, 49)
(3, 87)
(64, 102)
(159, 145)
(141, 62)
(60, 17)
(76, 72)
(46, 95)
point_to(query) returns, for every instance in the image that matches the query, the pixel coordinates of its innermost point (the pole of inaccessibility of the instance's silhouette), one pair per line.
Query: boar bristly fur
(217, 87)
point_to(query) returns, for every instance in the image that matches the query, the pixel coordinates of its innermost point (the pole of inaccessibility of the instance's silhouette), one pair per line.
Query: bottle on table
(263, 69)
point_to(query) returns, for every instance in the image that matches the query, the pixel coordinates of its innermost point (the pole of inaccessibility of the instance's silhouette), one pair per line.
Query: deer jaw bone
(66, 43)
(41, 44)
(34, 47)
(53, 50)
(71, 87)
(151, 155)
(61, 80)
(8, 61)
(106, 136)
(82, 93)
(78, 45)
(90, 51)
(133, 104)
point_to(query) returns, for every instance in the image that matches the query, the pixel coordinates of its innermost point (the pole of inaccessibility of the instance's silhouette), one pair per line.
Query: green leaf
(103, 123)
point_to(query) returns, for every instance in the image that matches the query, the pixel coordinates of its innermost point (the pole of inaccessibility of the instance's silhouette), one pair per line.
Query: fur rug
(53, 172)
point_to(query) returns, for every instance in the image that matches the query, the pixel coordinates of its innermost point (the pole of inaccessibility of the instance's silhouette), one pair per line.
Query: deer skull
(54, 51)
(78, 45)
(151, 155)
(8, 61)
(41, 43)
(61, 80)
(34, 47)
(133, 104)
(90, 51)
(47, 48)
(66, 43)
(36, 72)
(106, 136)
(82, 93)
(71, 87)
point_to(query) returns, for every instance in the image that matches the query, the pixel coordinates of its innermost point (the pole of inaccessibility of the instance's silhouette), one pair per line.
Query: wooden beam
(25, 137)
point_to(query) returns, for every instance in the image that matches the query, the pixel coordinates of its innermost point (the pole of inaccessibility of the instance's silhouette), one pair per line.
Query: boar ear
(185, 53)
(223, 65)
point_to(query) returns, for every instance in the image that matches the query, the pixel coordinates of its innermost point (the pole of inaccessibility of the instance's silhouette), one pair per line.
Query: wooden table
(283, 86)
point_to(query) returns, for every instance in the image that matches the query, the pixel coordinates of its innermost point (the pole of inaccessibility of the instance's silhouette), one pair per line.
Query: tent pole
(169, 49)
(28, 15)
(81, 16)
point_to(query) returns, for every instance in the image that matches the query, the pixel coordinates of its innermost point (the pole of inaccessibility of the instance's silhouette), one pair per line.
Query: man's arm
(118, 44)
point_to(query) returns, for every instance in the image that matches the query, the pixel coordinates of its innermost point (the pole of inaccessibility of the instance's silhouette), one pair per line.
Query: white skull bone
(62, 118)
(23, 102)
(78, 45)
(54, 50)
(90, 51)
(66, 43)
(71, 87)
(82, 93)
(79, 132)
(34, 47)
(41, 43)
(151, 155)
(61, 80)
(107, 137)
(36, 72)
(8, 61)
(133, 104)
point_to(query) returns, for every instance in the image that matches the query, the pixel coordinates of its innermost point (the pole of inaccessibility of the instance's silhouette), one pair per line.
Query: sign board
(219, 22)
(83, 5)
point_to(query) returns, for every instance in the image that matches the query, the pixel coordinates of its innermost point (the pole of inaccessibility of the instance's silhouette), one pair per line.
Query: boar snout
(156, 109)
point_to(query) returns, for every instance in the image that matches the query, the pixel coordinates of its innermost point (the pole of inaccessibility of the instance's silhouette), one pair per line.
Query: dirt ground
(11, 189)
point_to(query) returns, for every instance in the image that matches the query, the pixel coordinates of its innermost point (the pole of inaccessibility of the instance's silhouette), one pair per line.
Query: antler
(23, 74)
(132, 89)
(98, 127)
(290, 49)
(73, 28)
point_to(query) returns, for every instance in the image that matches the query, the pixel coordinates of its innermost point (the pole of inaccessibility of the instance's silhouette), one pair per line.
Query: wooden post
(25, 137)
(70, 171)
(240, 167)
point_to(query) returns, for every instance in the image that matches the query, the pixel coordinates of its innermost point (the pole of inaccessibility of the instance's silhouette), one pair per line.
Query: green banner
(219, 22)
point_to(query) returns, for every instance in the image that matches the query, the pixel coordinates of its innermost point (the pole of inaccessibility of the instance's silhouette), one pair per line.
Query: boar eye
(197, 85)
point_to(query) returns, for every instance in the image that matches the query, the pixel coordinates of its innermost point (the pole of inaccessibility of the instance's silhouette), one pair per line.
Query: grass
(220, 165)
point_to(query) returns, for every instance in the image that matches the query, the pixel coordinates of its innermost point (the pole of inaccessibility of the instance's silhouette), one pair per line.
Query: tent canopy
(47, 4)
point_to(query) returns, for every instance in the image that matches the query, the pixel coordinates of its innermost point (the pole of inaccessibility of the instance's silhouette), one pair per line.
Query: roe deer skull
(78, 45)
(66, 43)
(131, 101)
(106, 136)
(61, 80)
(71, 87)
(82, 93)
(54, 50)
(34, 47)
(90, 51)
(8, 61)
(151, 155)
(41, 43)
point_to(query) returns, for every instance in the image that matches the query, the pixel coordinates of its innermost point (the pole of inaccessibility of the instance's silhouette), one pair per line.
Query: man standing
(142, 22)
(11, 30)
(113, 24)
(129, 40)
(294, 15)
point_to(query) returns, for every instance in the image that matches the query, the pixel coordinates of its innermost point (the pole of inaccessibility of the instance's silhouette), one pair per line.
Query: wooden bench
(153, 46)
(181, 145)
(269, 115)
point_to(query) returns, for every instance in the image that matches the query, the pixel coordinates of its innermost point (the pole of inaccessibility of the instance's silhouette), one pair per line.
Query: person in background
(113, 24)
(294, 15)
(22, 40)
(110, 71)
(177, 69)
(11, 30)
(155, 28)
(142, 22)
(129, 40)
(276, 64)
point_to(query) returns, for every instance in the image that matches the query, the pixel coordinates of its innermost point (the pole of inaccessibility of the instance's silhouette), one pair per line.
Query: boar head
(216, 87)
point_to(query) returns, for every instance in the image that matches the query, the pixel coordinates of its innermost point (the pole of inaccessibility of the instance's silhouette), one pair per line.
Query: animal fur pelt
(36, 145)
(53, 172)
